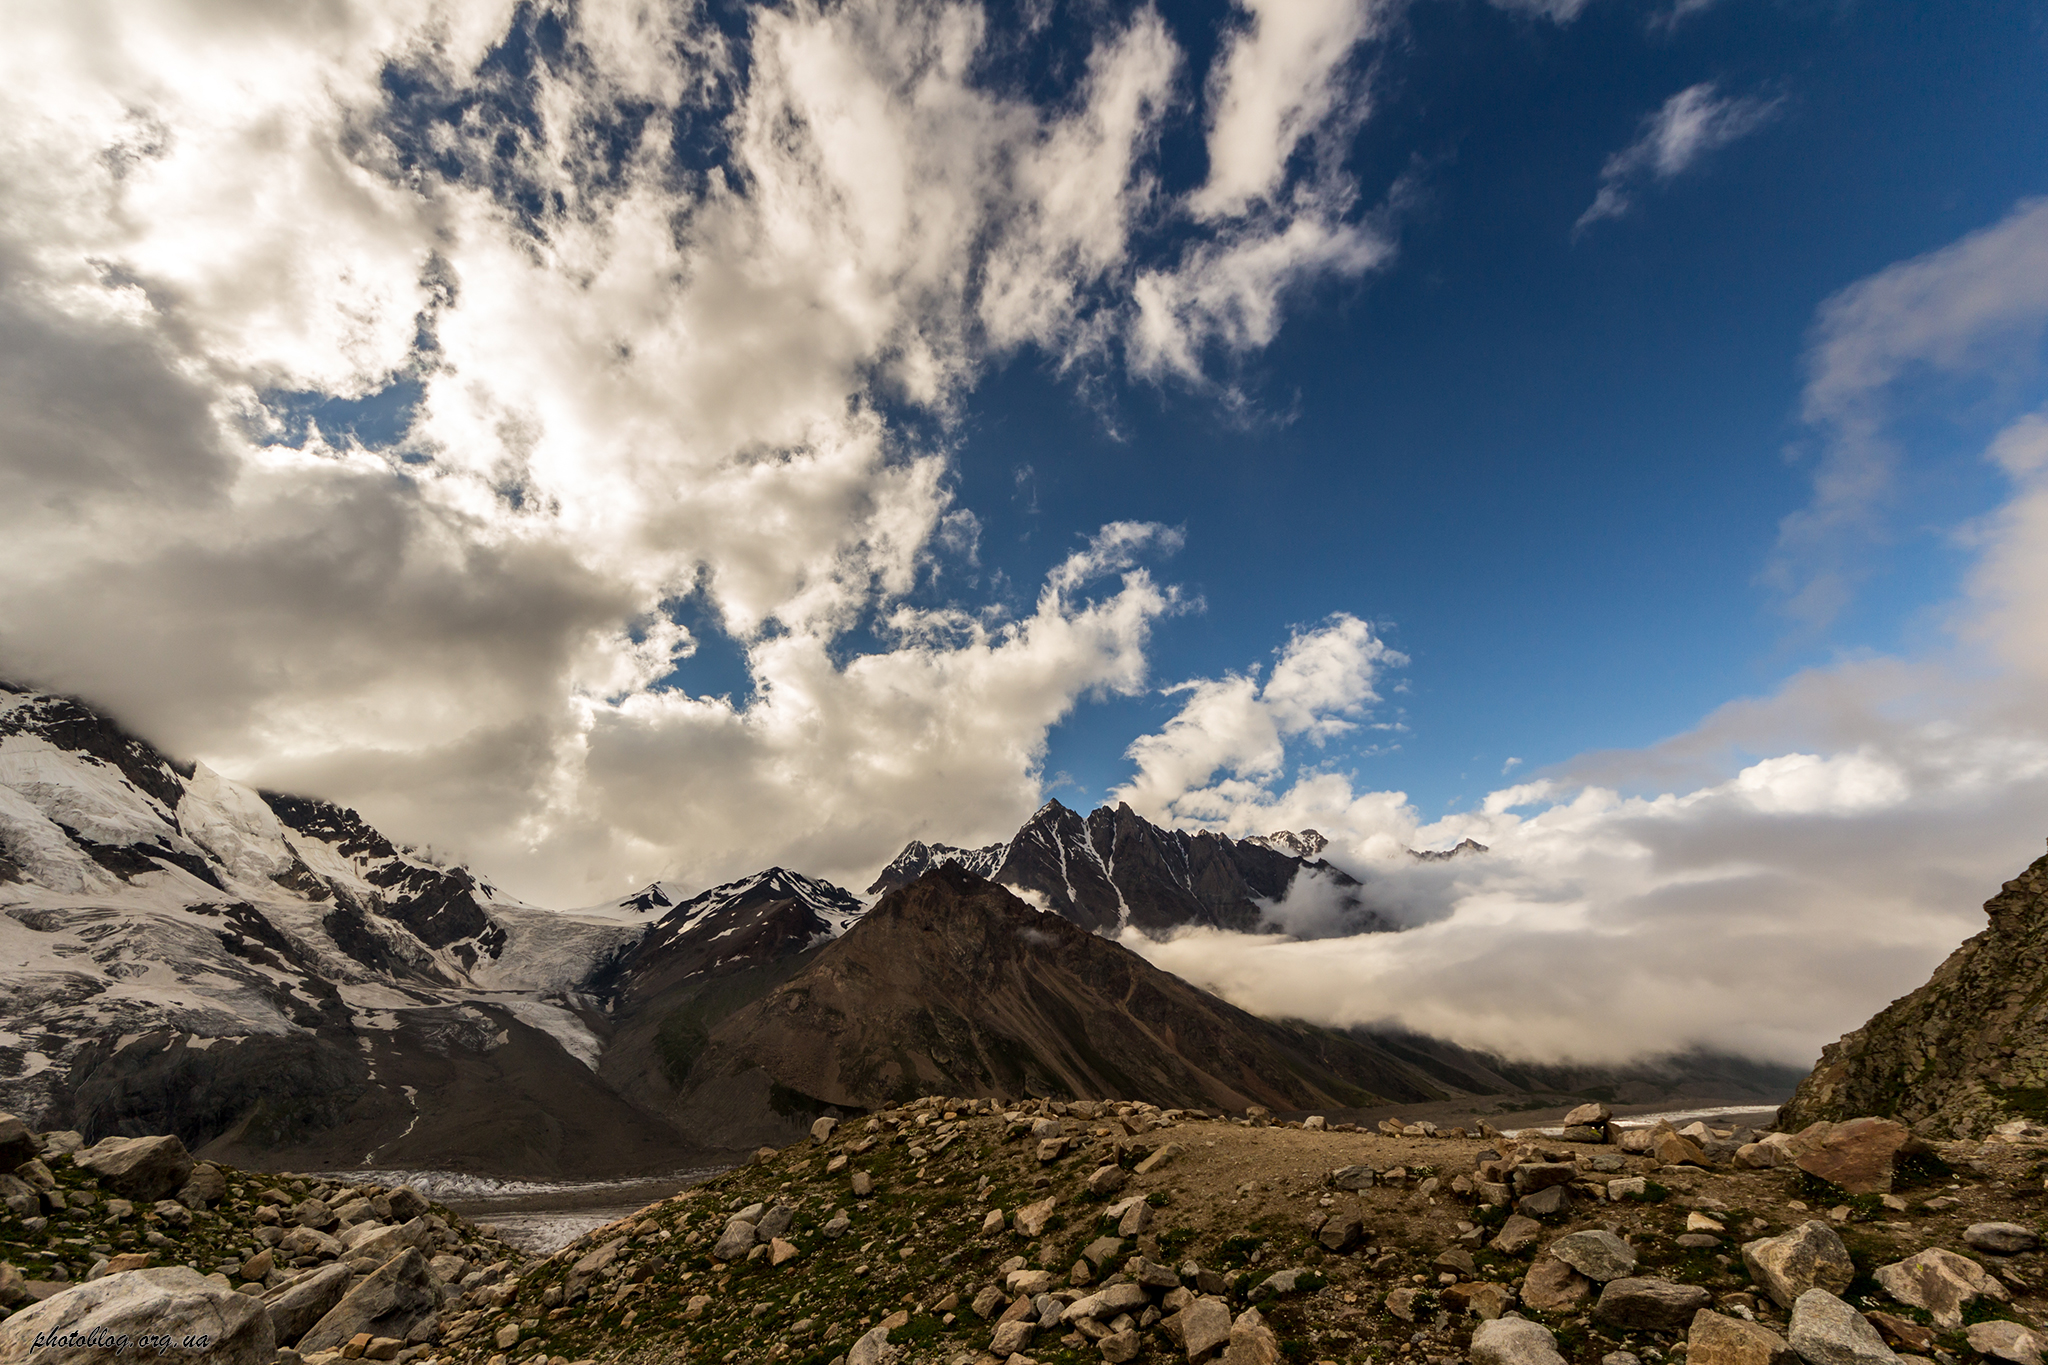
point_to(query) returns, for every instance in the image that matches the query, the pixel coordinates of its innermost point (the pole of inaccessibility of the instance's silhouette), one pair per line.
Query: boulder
(1010, 1337)
(1030, 1220)
(1202, 1326)
(735, 1241)
(1106, 1304)
(1481, 1298)
(774, 1223)
(1810, 1256)
(1598, 1255)
(1593, 1115)
(821, 1131)
(1545, 1203)
(2001, 1239)
(1647, 1304)
(1717, 1339)
(1826, 1331)
(2005, 1341)
(1106, 1181)
(1161, 1155)
(1757, 1156)
(407, 1203)
(1251, 1341)
(144, 1169)
(1673, 1150)
(1516, 1235)
(397, 1300)
(1342, 1232)
(1514, 1341)
(1857, 1155)
(1553, 1286)
(1939, 1281)
(872, 1348)
(204, 1188)
(302, 1301)
(17, 1143)
(1353, 1177)
(176, 1301)
(1532, 1176)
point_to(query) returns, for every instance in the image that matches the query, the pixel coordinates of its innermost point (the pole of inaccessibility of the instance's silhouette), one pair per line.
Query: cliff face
(1965, 1052)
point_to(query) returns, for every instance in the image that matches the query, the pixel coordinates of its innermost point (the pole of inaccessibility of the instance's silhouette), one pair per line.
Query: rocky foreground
(970, 1231)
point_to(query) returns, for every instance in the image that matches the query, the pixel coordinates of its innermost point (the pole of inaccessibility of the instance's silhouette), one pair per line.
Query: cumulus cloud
(1690, 124)
(1761, 883)
(636, 292)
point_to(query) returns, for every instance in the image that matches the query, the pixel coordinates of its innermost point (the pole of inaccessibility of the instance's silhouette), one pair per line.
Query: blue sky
(610, 439)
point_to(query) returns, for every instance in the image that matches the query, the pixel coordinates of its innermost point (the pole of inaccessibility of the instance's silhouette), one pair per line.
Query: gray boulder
(736, 1241)
(1826, 1331)
(1717, 1339)
(1939, 1281)
(2001, 1239)
(17, 1143)
(1810, 1256)
(2005, 1341)
(1650, 1305)
(174, 1301)
(305, 1299)
(407, 1203)
(1599, 1256)
(1513, 1340)
(1516, 1235)
(1353, 1177)
(204, 1188)
(397, 1300)
(144, 1169)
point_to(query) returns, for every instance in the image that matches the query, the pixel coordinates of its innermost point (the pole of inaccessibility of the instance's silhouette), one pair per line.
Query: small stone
(1401, 1303)
(781, 1252)
(1353, 1177)
(1826, 1331)
(1628, 1187)
(1546, 1203)
(2001, 1239)
(1342, 1232)
(506, 1337)
(863, 1184)
(1700, 1222)
(1647, 1304)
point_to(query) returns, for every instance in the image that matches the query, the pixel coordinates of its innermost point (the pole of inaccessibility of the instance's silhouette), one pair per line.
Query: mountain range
(275, 981)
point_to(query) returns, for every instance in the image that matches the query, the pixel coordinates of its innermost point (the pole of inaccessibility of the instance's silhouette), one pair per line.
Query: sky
(620, 440)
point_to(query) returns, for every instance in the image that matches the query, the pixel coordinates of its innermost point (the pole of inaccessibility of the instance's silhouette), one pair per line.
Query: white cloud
(1760, 883)
(1278, 81)
(1557, 11)
(1691, 123)
(648, 376)
(1318, 690)
(1975, 306)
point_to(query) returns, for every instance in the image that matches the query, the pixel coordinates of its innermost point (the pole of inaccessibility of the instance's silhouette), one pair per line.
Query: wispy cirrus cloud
(1693, 122)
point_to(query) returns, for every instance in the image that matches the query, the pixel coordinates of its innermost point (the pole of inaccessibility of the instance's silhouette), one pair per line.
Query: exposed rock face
(1114, 868)
(955, 984)
(1965, 1052)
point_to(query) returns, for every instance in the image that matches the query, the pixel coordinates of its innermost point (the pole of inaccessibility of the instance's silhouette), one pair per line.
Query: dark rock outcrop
(1965, 1052)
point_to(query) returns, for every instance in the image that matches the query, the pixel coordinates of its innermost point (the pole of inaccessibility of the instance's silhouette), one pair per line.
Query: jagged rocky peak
(1113, 869)
(1965, 1053)
(1464, 848)
(1308, 845)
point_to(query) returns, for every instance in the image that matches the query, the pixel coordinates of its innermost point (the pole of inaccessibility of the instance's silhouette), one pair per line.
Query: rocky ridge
(1965, 1053)
(1113, 870)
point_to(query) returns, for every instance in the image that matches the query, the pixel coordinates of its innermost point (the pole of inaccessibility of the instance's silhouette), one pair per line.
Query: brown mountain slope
(954, 985)
(1965, 1052)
